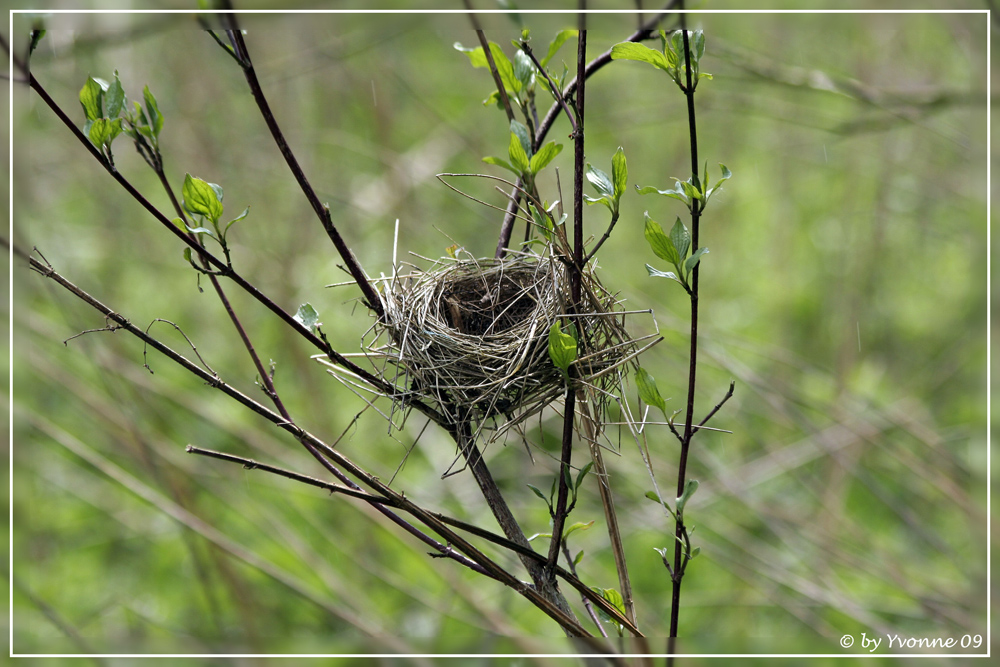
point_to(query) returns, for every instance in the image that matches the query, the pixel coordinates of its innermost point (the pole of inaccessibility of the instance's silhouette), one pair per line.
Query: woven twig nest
(471, 335)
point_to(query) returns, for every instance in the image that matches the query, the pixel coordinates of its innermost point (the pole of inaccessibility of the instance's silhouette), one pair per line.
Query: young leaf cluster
(108, 114)
(676, 249)
(670, 58)
(524, 161)
(694, 192)
(519, 77)
(203, 200)
(563, 347)
(574, 487)
(617, 601)
(610, 189)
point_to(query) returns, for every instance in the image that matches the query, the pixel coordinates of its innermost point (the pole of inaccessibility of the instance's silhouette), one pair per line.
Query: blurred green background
(845, 294)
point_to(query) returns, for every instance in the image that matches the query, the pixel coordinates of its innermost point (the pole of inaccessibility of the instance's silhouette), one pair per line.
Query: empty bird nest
(471, 337)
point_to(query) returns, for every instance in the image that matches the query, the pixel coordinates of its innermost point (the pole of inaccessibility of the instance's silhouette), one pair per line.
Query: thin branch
(375, 501)
(322, 211)
(643, 33)
(315, 445)
(488, 52)
(560, 100)
(566, 453)
(729, 394)
(600, 242)
(680, 530)
(221, 266)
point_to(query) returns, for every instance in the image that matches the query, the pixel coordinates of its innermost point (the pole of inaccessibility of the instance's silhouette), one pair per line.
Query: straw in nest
(470, 336)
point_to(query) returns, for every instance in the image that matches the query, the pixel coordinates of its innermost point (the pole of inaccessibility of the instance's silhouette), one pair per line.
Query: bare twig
(322, 211)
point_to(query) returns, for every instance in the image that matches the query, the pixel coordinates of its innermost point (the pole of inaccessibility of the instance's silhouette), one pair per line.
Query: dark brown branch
(378, 502)
(222, 267)
(566, 454)
(560, 100)
(680, 530)
(718, 406)
(316, 445)
(488, 52)
(322, 211)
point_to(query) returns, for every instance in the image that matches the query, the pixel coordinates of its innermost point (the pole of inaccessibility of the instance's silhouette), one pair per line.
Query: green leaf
(656, 499)
(201, 198)
(103, 131)
(542, 221)
(187, 255)
(114, 98)
(578, 558)
(524, 69)
(640, 52)
(521, 130)
(518, 156)
(556, 44)
(648, 391)
(656, 273)
(229, 224)
(616, 601)
(664, 554)
(538, 493)
(36, 36)
(583, 473)
(690, 486)
(695, 552)
(307, 316)
(494, 99)
(579, 525)
(693, 260)
(500, 162)
(689, 189)
(677, 45)
(504, 68)
(619, 173)
(681, 239)
(179, 224)
(549, 535)
(600, 181)
(218, 191)
(658, 241)
(567, 478)
(200, 230)
(726, 175)
(599, 200)
(562, 348)
(155, 117)
(90, 97)
(677, 192)
(544, 156)
(699, 44)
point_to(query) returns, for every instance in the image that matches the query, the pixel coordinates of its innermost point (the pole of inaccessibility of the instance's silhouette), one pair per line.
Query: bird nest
(470, 337)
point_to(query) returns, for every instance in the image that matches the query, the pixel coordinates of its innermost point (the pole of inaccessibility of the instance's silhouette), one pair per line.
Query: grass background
(845, 293)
